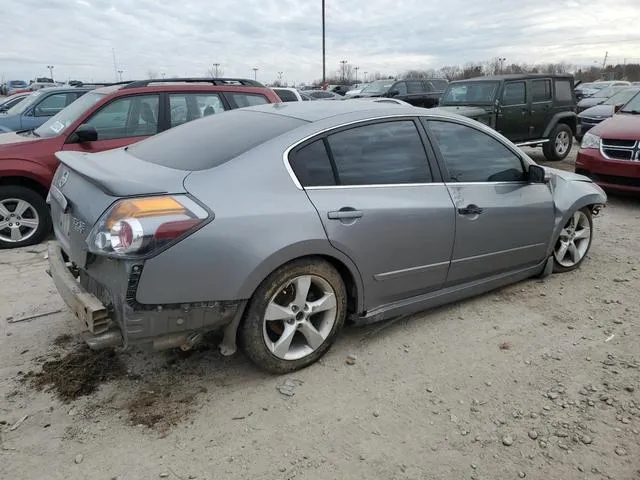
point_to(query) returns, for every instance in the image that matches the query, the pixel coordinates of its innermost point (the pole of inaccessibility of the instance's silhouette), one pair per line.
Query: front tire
(574, 242)
(24, 217)
(559, 144)
(294, 316)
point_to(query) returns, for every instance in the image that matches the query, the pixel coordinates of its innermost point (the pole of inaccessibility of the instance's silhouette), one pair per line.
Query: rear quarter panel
(262, 220)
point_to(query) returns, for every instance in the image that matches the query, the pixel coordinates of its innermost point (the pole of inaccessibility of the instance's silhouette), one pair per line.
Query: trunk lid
(85, 185)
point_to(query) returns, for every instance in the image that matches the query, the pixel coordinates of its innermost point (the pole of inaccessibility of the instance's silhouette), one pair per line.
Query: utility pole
(215, 67)
(344, 64)
(50, 67)
(604, 63)
(120, 72)
(255, 73)
(115, 65)
(356, 70)
(364, 79)
(324, 56)
(280, 78)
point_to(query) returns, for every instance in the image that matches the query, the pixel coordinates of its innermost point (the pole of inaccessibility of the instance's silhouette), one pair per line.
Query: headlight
(590, 141)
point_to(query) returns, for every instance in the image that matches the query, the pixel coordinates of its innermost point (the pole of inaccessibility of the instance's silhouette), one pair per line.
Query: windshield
(632, 106)
(471, 92)
(65, 117)
(17, 84)
(380, 86)
(23, 105)
(622, 97)
(607, 92)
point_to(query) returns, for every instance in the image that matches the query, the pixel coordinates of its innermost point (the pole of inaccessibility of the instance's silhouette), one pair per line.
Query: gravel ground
(537, 380)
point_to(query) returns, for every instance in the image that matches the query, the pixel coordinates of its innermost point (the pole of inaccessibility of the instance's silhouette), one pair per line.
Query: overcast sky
(184, 38)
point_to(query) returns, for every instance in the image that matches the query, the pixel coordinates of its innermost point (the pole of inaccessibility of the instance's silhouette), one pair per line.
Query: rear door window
(541, 90)
(239, 100)
(185, 107)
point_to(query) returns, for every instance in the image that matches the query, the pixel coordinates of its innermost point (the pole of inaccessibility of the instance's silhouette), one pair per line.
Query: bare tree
(211, 72)
(152, 73)
(452, 72)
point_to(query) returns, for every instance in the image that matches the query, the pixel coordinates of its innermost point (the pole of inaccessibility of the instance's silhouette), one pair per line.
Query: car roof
(180, 86)
(317, 111)
(513, 76)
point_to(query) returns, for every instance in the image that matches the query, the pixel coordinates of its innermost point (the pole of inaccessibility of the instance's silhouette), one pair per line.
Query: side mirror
(86, 133)
(617, 107)
(537, 174)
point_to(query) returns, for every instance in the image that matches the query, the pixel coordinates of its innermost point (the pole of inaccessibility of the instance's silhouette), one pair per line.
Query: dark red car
(610, 151)
(103, 119)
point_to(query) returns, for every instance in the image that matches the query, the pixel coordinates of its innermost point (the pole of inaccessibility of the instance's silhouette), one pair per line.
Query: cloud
(79, 37)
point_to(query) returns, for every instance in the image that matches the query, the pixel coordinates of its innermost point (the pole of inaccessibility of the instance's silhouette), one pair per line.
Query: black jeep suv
(530, 109)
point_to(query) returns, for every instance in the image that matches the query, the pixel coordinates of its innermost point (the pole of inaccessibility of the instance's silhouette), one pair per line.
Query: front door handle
(345, 213)
(470, 210)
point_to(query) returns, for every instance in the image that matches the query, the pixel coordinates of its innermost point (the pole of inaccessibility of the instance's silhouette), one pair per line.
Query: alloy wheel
(299, 317)
(562, 143)
(573, 243)
(19, 220)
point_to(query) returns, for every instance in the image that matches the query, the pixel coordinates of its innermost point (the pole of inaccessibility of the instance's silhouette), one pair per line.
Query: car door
(541, 106)
(380, 205)
(514, 112)
(121, 122)
(503, 222)
(416, 93)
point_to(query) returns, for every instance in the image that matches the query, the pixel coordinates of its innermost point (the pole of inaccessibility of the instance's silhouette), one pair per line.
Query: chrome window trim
(439, 184)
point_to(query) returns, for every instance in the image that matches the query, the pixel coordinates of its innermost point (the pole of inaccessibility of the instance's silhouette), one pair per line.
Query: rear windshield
(212, 141)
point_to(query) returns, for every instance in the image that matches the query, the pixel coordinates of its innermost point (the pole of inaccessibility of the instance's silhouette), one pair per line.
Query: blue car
(10, 85)
(38, 107)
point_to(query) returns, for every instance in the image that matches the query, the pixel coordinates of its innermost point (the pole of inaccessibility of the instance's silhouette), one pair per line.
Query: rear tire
(278, 334)
(559, 144)
(24, 217)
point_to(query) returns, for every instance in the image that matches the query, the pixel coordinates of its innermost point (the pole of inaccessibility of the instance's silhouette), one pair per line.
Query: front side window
(248, 99)
(541, 90)
(514, 93)
(380, 153)
(135, 116)
(473, 156)
(312, 166)
(185, 107)
(563, 91)
(61, 121)
(52, 104)
(400, 87)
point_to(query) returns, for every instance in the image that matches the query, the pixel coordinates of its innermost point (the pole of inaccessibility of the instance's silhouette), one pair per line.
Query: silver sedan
(278, 223)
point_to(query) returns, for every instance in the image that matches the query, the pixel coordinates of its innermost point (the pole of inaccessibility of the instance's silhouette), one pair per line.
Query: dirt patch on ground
(78, 373)
(63, 340)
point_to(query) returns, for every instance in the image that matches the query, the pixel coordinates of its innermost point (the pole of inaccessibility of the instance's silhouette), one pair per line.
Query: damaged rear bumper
(113, 318)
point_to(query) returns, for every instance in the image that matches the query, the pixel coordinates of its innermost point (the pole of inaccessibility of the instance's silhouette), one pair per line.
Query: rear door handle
(344, 213)
(470, 210)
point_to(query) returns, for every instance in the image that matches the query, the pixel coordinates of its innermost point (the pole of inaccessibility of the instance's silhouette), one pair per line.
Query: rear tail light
(136, 227)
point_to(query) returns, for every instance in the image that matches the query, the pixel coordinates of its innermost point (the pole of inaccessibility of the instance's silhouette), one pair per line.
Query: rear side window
(213, 140)
(247, 99)
(380, 153)
(563, 91)
(185, 107)
(541, 90)
(438, 85)
(415, 87)
(312, 166)
(286, 95)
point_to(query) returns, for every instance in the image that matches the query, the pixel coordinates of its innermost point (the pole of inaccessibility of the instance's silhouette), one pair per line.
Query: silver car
(278, 223)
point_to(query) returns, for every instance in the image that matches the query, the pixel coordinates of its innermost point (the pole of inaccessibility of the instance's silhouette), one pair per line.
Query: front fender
(570, 196)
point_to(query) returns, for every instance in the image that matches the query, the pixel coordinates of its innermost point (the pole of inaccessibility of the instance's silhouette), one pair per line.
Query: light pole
(324, 56)
(280, 78)
(344, 64)
(50, 67)
(120, 72)
(365, 77)
(162, 75)
(255, 73)
(501, 60)
(215, 67)
(355, 69)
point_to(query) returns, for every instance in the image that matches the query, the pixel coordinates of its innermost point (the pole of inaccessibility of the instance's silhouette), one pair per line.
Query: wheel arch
(24, 181)
(568, 118)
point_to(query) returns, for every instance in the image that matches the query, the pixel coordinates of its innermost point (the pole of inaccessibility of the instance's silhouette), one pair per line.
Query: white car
(357, 88)
(290, 94)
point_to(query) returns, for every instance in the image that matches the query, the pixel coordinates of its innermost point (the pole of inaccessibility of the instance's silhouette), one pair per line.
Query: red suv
(610, 151)
(102, 119)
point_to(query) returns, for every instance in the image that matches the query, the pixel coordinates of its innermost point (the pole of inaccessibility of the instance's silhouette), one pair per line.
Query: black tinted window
(541, 90)
(400, 87)
(212, 140)
(382, 153)
(312, 166)
(514, 94)
(473, 156)
(438, 85)
(286, 95)
(415, 87)
(563, 91)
